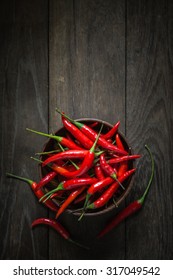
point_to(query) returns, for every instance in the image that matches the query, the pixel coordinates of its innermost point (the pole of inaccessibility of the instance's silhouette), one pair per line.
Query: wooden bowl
(121, 194)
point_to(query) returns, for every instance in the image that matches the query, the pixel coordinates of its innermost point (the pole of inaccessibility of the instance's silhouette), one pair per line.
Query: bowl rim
(125, 193)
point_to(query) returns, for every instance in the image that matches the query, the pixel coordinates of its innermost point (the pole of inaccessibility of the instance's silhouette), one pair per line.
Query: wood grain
(111, 60)
(87, 46)
(24, 99)
(149, 121)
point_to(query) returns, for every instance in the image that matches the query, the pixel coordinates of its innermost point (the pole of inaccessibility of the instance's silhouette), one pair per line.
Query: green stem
(85, 206)
(30, 182)
(58, 138)
(67, 117)
(36, 159)
(96, 140)
(58, 188)
(48, 194)
(47, 153)
(141, 200)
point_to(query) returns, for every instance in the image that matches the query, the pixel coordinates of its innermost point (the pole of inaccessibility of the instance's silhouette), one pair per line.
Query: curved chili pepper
(70, 154)
(112, 131)
(133, 206)
(64, 141)
(107, 195)
(39, 193)
(107, 168)
(84, 167)
(92, 135)
(83, 139)
(69, 199)
(58, 227)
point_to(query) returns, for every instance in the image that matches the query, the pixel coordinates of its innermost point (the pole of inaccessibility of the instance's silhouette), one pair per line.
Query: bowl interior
(76, 208)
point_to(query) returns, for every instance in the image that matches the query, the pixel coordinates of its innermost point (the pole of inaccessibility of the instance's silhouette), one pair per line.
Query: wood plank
(23, 99)
(87, 79)
(149, 121)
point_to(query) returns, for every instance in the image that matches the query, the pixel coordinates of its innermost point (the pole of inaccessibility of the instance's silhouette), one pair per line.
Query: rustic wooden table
(111, 60)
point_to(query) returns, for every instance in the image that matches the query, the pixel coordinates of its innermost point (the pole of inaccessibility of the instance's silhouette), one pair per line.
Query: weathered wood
(24, 99)
(149, 235)
(107, 59)
(87, 74)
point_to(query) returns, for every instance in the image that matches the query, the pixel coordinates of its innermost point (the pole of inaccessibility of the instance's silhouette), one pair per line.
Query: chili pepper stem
(58, 138)
(141, 200)
(95, 142)
(119, 183)
(30, 182)
(85, 206)
(47, 153)
(36, 159)
(64, 115)
(48, 194)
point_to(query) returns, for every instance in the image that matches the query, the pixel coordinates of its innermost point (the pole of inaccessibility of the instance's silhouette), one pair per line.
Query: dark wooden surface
(111, 60)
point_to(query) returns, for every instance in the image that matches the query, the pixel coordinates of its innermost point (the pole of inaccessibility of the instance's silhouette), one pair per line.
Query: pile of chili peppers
(87, 167)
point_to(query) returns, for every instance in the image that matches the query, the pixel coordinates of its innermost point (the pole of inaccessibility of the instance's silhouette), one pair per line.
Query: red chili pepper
(99, 172)
(107, 168)
(46, 180)
(124, 166)
(99, 185)
(93, 124)
(129, 210)
(71, 184)
(119, 142)
(77, 182)
(121, 159)
(39, 193)
(107, 195)
(122, 169)
(132, 207)
(83, 139)
(70, 154)
(64, 141)
(69, 199)
(58, 227)
(92, 135)
(112, 131)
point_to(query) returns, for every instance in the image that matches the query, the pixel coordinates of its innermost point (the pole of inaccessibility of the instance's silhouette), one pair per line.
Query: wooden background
(111, 60)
